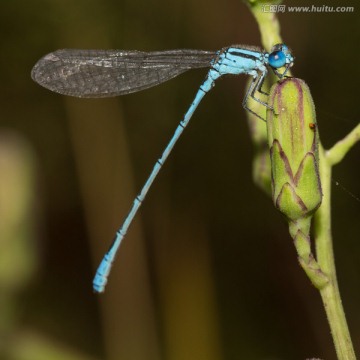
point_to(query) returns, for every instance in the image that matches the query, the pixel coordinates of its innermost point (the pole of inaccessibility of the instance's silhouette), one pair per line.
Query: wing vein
(104, 73)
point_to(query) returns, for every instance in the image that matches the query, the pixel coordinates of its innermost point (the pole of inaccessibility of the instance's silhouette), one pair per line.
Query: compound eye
(277, 59)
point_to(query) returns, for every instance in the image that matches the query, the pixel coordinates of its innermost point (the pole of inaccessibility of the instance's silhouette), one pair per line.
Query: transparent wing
(105, 73)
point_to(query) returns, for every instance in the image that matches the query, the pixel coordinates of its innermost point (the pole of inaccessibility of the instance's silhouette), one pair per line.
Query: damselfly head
(280, 56)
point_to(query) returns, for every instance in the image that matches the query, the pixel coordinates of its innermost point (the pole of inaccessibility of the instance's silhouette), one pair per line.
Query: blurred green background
(208, 270)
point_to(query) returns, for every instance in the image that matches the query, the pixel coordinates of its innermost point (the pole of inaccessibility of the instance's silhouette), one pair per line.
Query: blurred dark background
(208, 269)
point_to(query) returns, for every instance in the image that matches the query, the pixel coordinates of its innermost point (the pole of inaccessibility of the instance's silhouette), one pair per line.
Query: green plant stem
(339, 150)
(270, 35)
(325, 257)
(269, 26)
